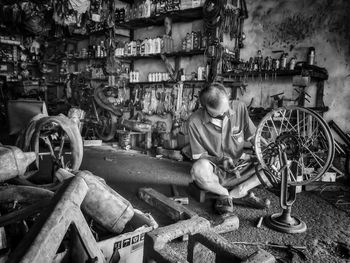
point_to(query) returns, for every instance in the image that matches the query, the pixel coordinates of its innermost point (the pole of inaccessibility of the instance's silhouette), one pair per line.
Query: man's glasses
(220, 117)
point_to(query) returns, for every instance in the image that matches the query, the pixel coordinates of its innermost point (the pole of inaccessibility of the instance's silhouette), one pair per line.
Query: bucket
(104, 205)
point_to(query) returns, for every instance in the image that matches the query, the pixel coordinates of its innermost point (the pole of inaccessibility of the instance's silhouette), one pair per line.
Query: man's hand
(228, 163)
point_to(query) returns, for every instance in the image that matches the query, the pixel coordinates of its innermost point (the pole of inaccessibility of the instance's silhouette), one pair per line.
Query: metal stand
(285, 222)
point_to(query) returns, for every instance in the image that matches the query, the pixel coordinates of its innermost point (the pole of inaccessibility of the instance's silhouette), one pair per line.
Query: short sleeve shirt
(225, 141)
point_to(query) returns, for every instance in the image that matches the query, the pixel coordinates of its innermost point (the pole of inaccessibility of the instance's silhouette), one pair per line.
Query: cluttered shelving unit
(304, 74)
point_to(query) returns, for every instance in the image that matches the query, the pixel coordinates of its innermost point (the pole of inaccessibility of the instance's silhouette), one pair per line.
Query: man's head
(215, 100)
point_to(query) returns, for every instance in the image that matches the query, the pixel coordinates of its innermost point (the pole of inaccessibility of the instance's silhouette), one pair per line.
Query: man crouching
(217, 133)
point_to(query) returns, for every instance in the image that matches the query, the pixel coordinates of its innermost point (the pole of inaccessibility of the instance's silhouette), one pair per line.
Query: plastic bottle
(147, 46)
(311, 56)
(148, 8)
(151, 46)
(143, 47)
(164, 44)
(158, 45)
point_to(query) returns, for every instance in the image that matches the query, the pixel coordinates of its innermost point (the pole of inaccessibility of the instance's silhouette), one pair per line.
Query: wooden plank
(200, 195)
(171, 208)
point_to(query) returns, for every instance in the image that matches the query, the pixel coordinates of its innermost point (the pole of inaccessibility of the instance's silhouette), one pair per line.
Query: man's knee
(202, 173)
(201, 168)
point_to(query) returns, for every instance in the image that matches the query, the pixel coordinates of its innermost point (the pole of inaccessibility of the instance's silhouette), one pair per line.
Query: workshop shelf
(188, 82)
(184, 15)
(174, 54)
(317, 73)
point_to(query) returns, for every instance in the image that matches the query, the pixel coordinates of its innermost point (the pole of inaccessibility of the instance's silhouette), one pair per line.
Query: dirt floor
(327, 238)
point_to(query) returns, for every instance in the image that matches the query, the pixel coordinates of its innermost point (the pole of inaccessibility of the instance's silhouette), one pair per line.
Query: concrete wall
(294, 26)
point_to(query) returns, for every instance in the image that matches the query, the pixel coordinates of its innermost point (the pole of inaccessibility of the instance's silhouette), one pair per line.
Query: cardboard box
(129, 245)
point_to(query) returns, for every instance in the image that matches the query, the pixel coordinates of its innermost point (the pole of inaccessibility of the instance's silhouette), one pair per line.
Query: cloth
(220, 140)
(81, 6)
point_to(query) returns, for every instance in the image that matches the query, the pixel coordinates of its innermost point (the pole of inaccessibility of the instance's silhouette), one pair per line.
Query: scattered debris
(260, 222)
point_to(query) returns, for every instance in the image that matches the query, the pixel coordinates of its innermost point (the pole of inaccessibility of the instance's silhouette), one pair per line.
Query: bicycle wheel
(106, 126)
(307, 142)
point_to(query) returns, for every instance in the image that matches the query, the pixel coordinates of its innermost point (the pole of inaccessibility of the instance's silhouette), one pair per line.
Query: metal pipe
(341, 134)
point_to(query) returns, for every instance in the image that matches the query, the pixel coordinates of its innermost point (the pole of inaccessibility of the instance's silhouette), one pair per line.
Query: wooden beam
(171, 208)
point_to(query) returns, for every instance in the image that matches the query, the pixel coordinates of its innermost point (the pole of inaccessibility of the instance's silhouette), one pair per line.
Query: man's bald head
(213, 95)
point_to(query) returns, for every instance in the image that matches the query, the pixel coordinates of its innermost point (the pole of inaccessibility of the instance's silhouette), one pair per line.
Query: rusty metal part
(105, 205)
(44, 238)
(14, 162)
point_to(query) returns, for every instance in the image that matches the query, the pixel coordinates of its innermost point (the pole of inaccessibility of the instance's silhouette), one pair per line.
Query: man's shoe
(223, 205)
(253, 201)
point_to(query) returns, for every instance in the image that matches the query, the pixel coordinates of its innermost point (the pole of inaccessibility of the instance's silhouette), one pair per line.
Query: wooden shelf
(99, 79)
(11, 43)
(313, 73)
(229, 82)
(185, 15)
(174, 54)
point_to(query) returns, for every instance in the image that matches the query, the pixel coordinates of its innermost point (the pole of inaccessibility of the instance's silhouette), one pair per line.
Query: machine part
(47, 137)
(106, 128)
(285, 222)
(14, 162)
(308, 141)
(40, 244)
(102, 115)
(104, 205)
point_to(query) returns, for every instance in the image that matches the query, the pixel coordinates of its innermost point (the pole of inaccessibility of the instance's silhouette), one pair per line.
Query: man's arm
(211, 158)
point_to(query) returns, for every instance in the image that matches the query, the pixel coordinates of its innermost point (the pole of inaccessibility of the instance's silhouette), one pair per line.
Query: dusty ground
(328, 227)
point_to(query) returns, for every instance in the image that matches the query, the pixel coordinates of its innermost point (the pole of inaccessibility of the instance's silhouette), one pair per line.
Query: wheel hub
(292, 145)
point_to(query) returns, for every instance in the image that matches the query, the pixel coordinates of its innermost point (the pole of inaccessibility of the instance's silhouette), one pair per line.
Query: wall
(294, 26)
